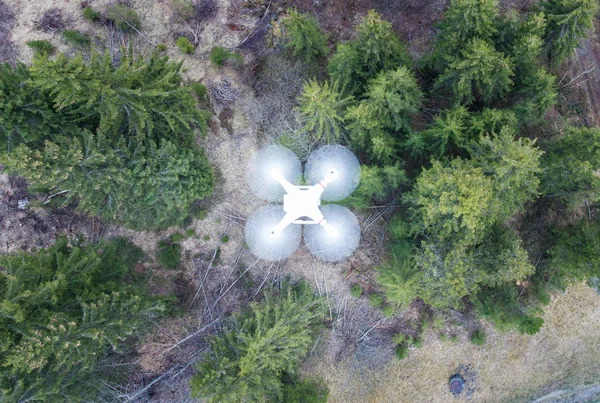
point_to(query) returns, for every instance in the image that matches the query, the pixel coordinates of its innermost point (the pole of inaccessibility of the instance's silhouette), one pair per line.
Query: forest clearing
(129, 130)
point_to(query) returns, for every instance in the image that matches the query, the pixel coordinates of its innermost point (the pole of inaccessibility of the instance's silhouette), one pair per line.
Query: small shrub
(190, 232)
(530, 325)
(206, 238)
(183, 8)
(356, 290)
(41, 47)
(199, 90)
(76, 38)
(389, 311)
(202, 214)
(185, 45)
(454, 338)
(225, 239)
(376, 300)
(161, 47)
(401, 351)
(177, 237)
(306, 391)
(169, 254)
(218, 56)
(417, 342)
(478, 337)
(399, 338)
(125, 18)
(91, 15)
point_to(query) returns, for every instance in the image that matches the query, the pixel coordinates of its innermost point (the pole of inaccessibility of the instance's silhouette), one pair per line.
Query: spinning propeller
(332, 232)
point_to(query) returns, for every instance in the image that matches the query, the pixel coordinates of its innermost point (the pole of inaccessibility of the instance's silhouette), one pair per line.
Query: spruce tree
(377, 48)
(304, 36)
(256, 349)
(568, 21)
(61, 311)
(322, 110)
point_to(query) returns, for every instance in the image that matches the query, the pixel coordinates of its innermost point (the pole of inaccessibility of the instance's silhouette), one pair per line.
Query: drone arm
(287, 186)
(285, 221)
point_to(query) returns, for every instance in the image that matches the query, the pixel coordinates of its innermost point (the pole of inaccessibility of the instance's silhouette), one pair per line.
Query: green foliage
(356, 290)
(76, 38)
(322, 110)
(26, 112)
(248, 358)
(376, 48)
(368, 135)
(401, 351)
(62, 310)
(304, 36)
(452, 200)
(464, 21)
(142, 168)
(576, 254)
(199, 90)
(568, 21)
(513, 165)
(570, 167)
(91, 15)
(394, 95)
(536, 94)
(313, 390)
(478, 337)
(376, 300)
(225, 239)
(500, 306)
(185, 46)
(183, 8)
(377, 184)
(41, 47)
(148, 188)
(399, 279)
(125, 18)
(446, 135)
(219, 56)
(169, 253)
(480, 73)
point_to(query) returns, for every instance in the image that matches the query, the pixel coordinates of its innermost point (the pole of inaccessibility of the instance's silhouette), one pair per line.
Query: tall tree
(394, 96)
(571, 167)
(149, 187)
(480, 74)
(568, 21)
(61, 311)
(247, 361)
(305, 37)
(376, 48)
(464, 21)
(322, 110)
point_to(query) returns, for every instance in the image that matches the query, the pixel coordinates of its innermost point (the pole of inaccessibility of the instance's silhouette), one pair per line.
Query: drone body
(331, 232)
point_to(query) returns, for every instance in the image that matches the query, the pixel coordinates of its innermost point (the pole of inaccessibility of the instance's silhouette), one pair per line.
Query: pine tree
(322, 110)
(464, 21)
(394, 96)
(247, 360)
(61, 310)
(368, 135)
(480, 73)
(305, 36)
(377, 48)
(568, 21)
(571, 165)
(151, 187)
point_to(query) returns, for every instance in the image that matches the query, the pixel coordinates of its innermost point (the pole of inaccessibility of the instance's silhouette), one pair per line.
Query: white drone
(331, 232)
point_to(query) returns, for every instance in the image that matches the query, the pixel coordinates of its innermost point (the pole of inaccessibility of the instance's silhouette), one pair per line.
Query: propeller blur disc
(345, 238)
(259, 239)
(267, 159)
(334, 157)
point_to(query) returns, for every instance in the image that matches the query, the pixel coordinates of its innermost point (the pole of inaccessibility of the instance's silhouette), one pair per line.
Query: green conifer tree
(304, 36)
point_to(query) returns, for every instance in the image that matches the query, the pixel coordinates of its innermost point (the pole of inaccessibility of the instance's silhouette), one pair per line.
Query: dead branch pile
(51, 21)
(223, 92)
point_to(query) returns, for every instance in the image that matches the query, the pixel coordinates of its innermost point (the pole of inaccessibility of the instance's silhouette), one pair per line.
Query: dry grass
(509, 367)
